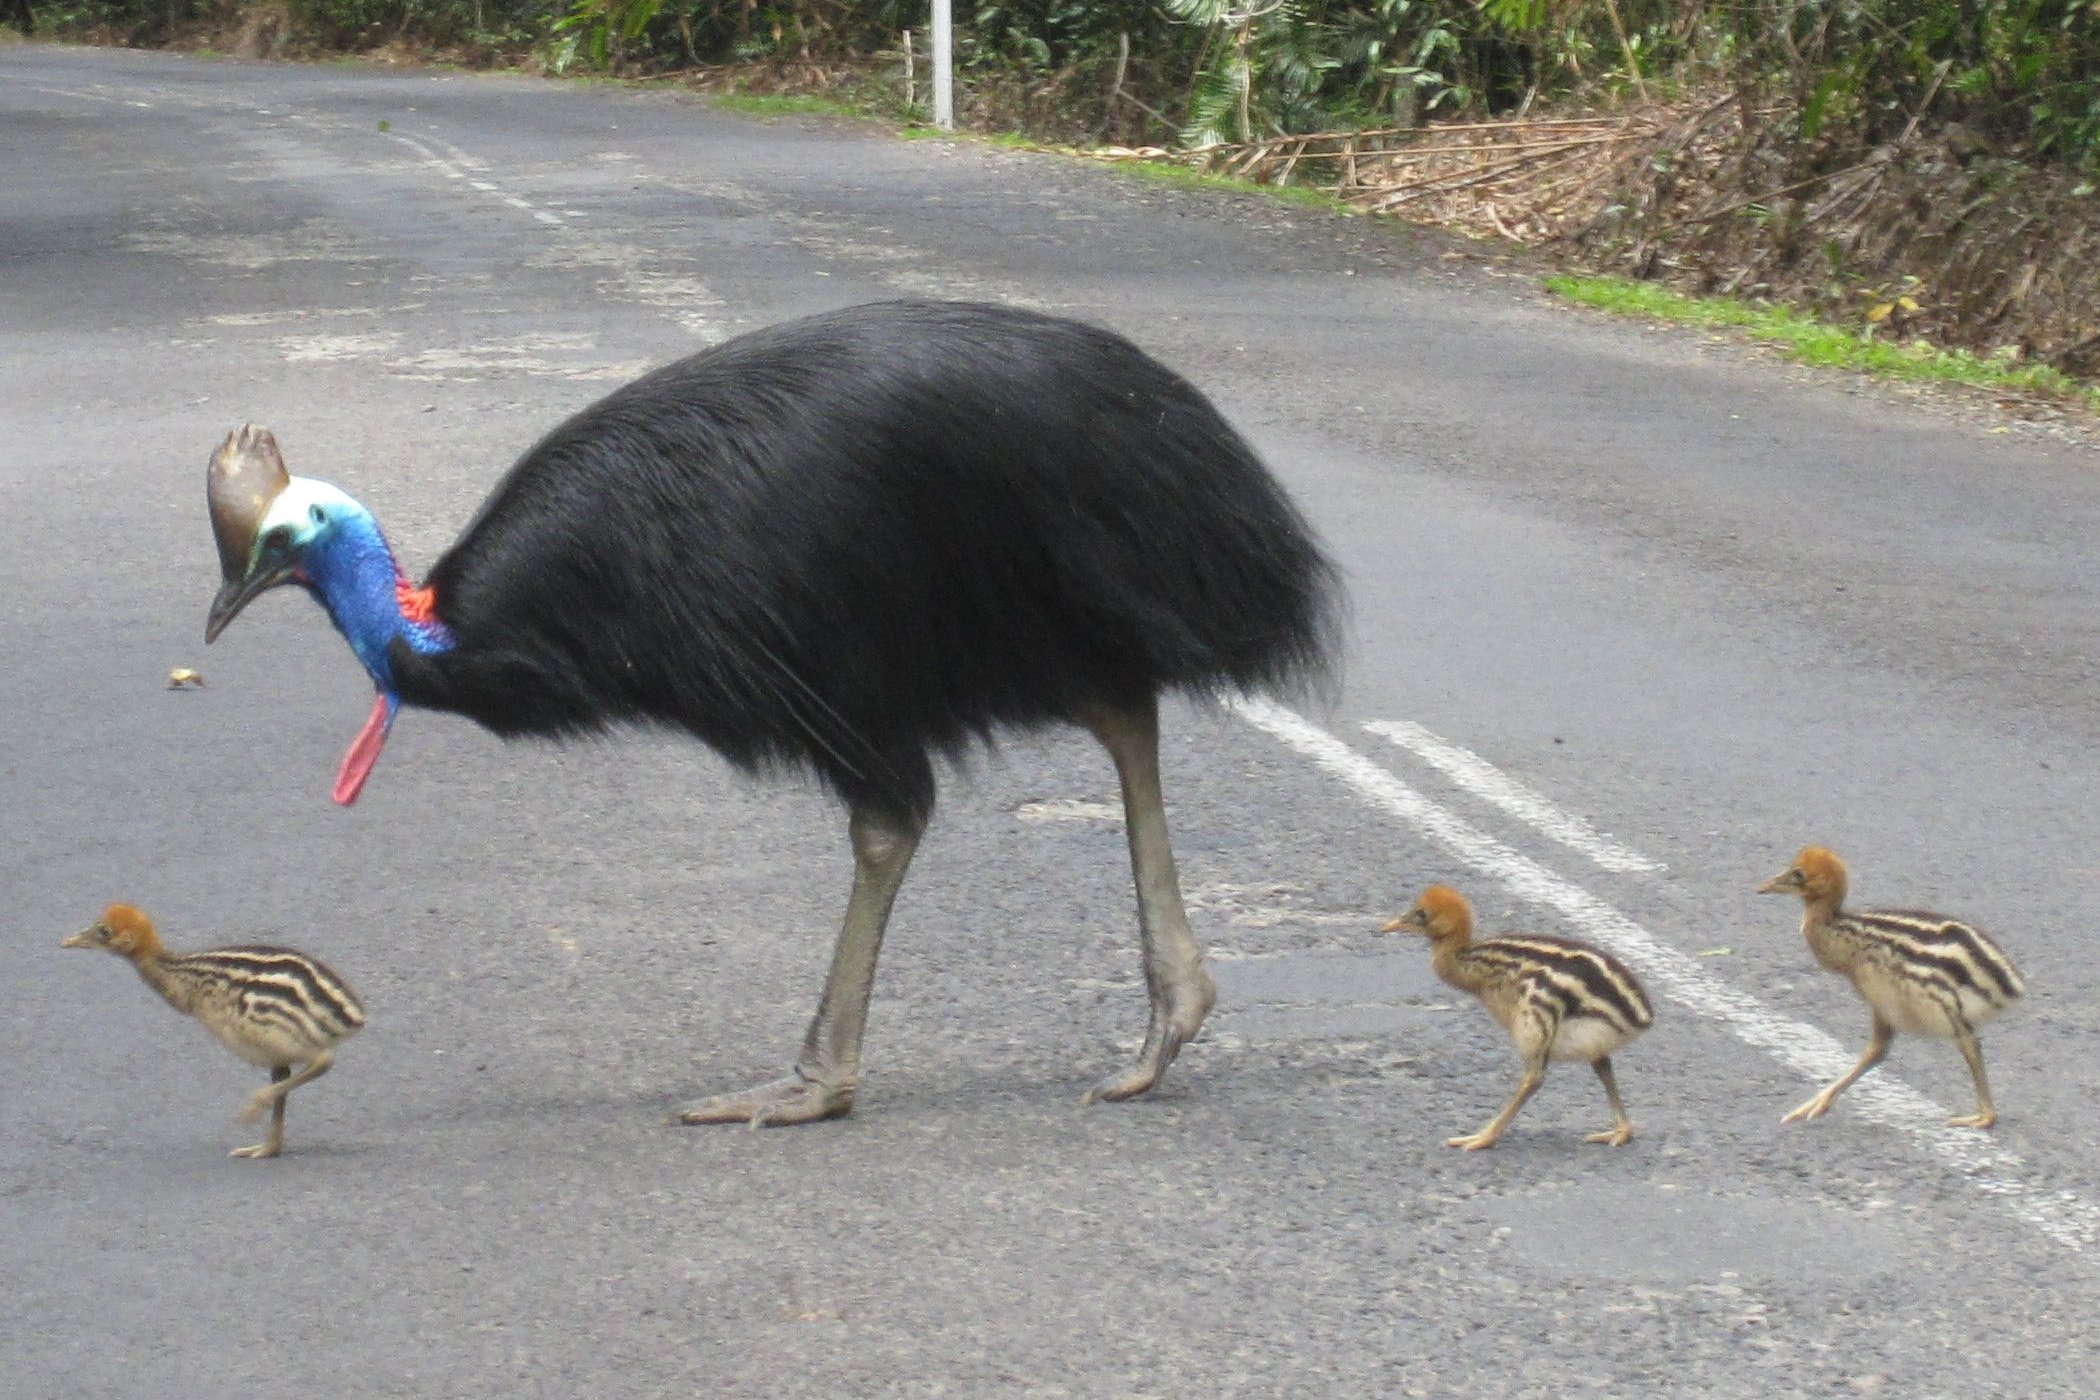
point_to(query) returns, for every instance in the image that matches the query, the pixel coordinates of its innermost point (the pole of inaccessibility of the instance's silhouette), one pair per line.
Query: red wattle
(364, 752)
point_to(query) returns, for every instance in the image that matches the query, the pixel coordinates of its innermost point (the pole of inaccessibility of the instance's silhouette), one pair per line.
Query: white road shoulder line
(2063, 1216)
(1481, 778)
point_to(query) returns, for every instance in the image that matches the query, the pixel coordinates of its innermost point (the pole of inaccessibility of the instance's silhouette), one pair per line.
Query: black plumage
(857, 540)
(852, 543)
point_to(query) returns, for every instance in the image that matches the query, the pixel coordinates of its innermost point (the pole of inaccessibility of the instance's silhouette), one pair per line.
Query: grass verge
(787, 104)
(1813, 342)
(1167, 173)
(921, 129)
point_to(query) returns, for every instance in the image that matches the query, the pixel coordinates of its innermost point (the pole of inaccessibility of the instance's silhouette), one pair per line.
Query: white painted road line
(2061, 1215)
(1489, 783)
(632, 270)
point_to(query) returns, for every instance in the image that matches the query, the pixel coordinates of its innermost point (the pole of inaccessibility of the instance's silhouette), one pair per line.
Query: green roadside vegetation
(788, 104)
(1185, 177)
(1812, 342)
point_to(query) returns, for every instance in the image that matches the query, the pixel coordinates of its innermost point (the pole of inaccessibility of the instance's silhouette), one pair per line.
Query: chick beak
(1777, 884)
(86, 938)
(1399, 925)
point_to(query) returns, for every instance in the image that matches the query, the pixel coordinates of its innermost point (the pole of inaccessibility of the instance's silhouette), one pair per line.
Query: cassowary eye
(320, 517)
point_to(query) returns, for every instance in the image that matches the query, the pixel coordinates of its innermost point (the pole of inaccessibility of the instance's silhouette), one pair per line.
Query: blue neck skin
(350, 569)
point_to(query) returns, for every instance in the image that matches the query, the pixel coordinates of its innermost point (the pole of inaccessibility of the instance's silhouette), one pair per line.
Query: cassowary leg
(828, 1071)
(1181, 991)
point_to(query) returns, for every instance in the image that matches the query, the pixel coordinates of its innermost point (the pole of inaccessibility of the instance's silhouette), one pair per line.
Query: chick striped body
(1924, 974)
(273, 1007)
(1919, 973)
(1558, 999)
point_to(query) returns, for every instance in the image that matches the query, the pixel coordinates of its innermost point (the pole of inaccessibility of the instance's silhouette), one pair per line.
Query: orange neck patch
(417, 604)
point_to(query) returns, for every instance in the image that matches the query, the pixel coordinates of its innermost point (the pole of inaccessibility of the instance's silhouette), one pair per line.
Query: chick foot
(1475, 1142)
(1612, 1137)
(1815, 1108)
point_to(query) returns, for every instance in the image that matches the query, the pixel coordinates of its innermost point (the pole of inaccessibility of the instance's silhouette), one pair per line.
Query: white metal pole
(943, 65)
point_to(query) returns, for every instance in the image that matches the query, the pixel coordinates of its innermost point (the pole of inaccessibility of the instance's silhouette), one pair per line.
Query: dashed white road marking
(113, 99)
(1481, 778)
(466, 159)
(2061, 1215)
(686, 300)
(458, 165)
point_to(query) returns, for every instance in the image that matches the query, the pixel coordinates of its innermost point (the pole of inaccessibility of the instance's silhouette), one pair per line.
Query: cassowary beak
(235, 594)
(247, 473)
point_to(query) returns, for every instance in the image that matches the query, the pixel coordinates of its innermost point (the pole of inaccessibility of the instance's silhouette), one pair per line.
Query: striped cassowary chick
(271, 1006)
(1558, 999)
(1925, 974)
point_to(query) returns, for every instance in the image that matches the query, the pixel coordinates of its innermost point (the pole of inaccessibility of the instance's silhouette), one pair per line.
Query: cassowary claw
(1173, 1026)
(795, 1098)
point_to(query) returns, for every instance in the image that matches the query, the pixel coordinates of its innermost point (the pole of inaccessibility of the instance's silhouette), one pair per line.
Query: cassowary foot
(1172, 1026)
(781, 1103)
(1139, 1078)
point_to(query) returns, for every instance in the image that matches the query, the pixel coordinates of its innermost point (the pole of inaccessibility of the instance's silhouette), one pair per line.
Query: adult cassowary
(851, 543)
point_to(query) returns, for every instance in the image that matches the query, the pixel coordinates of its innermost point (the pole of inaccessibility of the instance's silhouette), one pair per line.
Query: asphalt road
(1699, 610)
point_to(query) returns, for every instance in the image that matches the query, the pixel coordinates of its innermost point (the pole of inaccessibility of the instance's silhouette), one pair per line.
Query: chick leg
(828, 1072)
(274, 1143)
(1820, 1104)
(1621, 1126)
(1972, 1051)
(1534, 1075)
(1180, 991)
(282, 1082)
